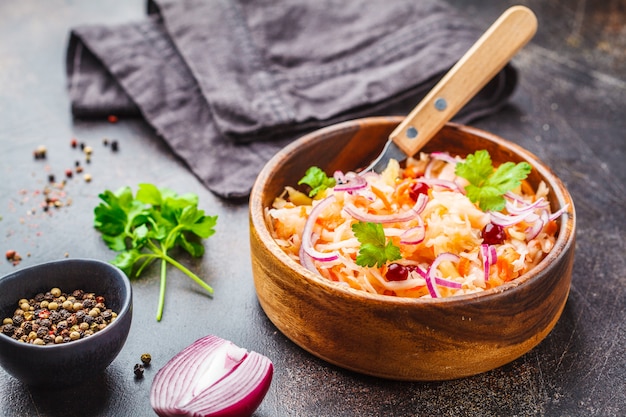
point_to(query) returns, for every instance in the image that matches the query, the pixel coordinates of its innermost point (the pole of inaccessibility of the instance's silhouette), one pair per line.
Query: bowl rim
(565, 238)
(126, 307)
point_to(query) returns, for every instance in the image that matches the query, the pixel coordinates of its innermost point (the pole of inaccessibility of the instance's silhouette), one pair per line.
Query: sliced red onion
(525, 207)
(432, 280)
(410, 214)
(443, 156)
(537, 226)
(317, 255)
(211, 377)
(436, 182)
(339, 177)
(306, 246)
(414, 235)
(489, 256)
(505, 220)
(349, 182)
(559, 212)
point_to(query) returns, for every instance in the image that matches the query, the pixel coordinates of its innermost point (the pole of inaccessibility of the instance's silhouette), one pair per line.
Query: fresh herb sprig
(317, 179)
(488, 185)
(146, 227)
(375, 250)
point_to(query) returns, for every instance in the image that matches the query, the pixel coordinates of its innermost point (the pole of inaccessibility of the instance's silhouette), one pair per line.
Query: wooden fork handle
(495, 48)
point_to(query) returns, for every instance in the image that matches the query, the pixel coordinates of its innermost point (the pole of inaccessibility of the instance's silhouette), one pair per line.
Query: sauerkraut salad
(417, 230)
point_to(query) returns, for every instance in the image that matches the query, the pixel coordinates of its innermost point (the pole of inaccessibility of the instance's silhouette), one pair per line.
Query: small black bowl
(72, 362)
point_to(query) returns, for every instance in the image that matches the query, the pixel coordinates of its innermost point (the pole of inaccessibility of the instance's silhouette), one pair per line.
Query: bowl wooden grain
(404, 338)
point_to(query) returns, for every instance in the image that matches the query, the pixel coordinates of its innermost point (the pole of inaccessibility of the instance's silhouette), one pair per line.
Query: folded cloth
(227, 83)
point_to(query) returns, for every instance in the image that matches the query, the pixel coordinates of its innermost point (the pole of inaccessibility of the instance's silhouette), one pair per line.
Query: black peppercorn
(8, 329)
(138, 370)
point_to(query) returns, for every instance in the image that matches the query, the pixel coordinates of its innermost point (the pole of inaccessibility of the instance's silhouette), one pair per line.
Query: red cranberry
(493, 234)
(397, 272)
(417, 188)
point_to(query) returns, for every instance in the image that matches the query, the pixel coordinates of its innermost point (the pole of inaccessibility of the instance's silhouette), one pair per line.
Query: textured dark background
(568, 110)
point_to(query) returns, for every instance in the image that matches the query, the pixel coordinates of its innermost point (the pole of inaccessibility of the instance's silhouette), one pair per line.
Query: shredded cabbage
(451, 222)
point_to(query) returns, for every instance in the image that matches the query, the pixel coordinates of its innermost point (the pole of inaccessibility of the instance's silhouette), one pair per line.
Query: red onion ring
(443, 156)
(559, 212)
(306, 246)
(436, 182)
(410, 214)
(489, 256)
(414, 235)
(526, 207)
(349, 182)
(432, 281)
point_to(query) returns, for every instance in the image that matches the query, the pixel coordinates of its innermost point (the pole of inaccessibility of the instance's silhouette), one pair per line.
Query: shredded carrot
(382, 197)
(464, 266)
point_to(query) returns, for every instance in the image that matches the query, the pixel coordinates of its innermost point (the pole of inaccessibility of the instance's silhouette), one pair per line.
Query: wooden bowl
(405, 338)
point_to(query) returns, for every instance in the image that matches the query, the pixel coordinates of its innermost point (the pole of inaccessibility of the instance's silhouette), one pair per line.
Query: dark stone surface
(568, 110)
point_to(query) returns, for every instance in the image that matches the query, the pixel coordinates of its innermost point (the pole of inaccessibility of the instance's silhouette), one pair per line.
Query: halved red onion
(211, 377)
(349, 182)
(410, 214)
(306, 246)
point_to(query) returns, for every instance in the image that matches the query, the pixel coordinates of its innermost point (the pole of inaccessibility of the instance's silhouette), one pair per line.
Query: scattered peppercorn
(87, 177)
(114, 146)
(13, 257)
(146, 358)
(112, 118)
(68, 173)
(51, 178)
(138, 370)
(74, 142)
(40, 152)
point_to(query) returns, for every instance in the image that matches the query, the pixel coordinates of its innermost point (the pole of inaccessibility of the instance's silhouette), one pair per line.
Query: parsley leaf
(145, 227)
(487, 185)
(375, 250)
(317, 180)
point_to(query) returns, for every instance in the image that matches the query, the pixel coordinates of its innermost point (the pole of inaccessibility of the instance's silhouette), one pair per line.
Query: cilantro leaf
(317, 180)
(145, 227)
(375, 250)
(488, 185)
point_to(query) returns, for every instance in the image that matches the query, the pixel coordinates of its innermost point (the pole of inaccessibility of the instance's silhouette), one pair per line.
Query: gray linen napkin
(227, 83)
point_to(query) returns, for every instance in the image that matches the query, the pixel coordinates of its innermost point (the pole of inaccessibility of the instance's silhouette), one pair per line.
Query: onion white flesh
(212, 377)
